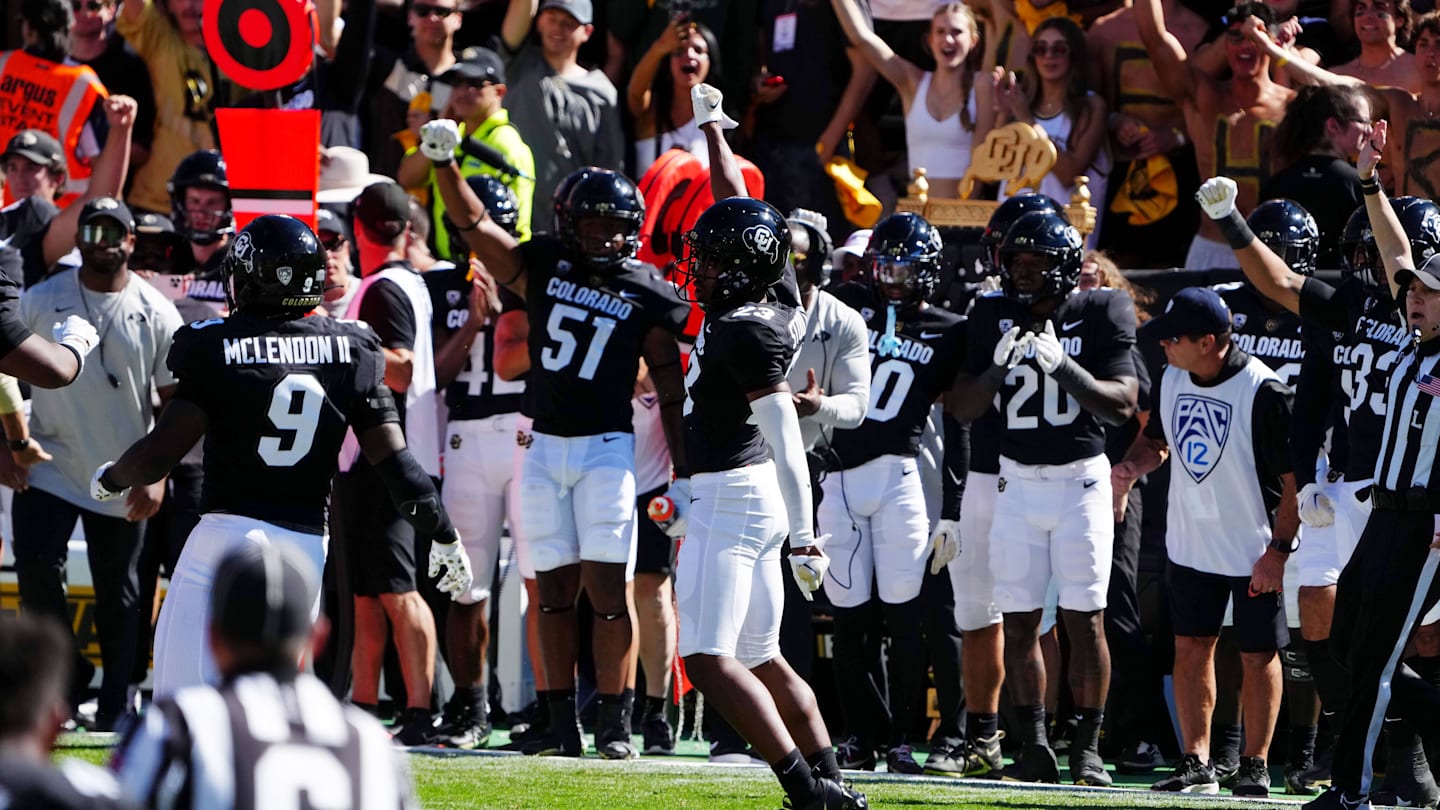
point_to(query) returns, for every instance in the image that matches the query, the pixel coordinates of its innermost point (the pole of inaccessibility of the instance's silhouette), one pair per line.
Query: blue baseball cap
(1192, 311)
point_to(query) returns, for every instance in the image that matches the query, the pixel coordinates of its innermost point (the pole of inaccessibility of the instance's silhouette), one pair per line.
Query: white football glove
(1011, 348)
(438, 140)
(809, 571)
(679, 495)
(77, 333)
(946, 544)
(1316, 508)
(1048, 351)
(451, 557)
(1217, 196)
(99, 491)
(706, 101)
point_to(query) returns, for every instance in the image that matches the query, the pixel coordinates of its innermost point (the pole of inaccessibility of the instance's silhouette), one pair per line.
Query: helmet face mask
(1289, 231)
(601, 194)
(904, 259)
(736, 250)
(204, 224)
(1040, 258)
(275, 267)
(1005, 215)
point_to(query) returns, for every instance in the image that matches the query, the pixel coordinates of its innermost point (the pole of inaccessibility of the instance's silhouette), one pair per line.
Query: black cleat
(1190, 776)
(1036, 763)
(1253, 778)
(1088, 769)
(658, 737)
(853, 755)
(417, 727)
(833, 796)
(464, 725)
(901, 759)
(1336, 799)
(1143, 757)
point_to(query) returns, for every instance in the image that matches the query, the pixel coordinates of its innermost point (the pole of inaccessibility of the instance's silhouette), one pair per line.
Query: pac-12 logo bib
(1201, 426)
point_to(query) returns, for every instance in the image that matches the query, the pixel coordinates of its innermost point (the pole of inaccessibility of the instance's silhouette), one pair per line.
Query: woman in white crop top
(946, 112)
(1055, 95)
(659, 92)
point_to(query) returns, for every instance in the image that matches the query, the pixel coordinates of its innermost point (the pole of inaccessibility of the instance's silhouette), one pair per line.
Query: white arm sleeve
(775, 416)
(10, 399)
(849, 384)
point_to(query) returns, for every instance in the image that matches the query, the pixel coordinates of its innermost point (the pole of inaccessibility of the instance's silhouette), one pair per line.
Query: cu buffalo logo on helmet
(762, 241)
(284, 274)
(243, 252)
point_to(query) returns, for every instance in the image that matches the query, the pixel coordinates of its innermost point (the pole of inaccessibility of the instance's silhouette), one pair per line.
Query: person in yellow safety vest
(42, 88)
(478, 89)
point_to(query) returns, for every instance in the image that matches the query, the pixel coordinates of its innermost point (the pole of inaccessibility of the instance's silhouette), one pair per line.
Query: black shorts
(654, 550)
(1197, 608)
(381, 544)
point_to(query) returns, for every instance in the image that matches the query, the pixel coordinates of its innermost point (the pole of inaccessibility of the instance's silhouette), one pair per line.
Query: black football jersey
(1270, 335)
(1043, 423)
(746, 349)
(279, 396)
(587, 331)
(903, 386)
(1372, 332)
(477, 392)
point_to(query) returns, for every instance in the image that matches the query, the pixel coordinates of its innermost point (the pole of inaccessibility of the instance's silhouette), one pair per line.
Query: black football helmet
(904, 258)
(206, 169)
(499, 202)
(813, 267)
(1420, 218)
(605, 195)
(1361, 257)
(562, 192)
(275, 268)
(748, 240)
(1004, 216)
(1287, 228)
(1051, 236)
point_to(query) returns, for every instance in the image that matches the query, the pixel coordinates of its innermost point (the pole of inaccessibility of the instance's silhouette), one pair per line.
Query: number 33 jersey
(279, 396)
(1043, 423)
(587, 332)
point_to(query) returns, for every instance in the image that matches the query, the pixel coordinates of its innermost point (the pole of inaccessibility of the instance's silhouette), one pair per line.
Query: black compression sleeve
(414, 495)
(1311, 408)
(957, 466)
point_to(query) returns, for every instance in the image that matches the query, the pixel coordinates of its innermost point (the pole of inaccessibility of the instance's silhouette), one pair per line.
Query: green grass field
(468, 781)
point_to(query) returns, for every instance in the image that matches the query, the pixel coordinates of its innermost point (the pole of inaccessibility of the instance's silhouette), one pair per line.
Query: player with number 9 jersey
(272, 393)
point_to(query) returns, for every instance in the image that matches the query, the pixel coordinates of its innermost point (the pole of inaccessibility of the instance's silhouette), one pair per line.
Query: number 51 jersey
(1043, 423)
(279, 395)
(587, 332)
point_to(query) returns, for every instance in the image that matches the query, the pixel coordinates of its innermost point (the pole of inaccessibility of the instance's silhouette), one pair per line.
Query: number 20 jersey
(1043, 424)
(587, 332)
(279, 395)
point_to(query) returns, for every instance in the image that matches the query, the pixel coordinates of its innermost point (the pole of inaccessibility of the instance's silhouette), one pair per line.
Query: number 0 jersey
(749, 348)
(587, 332)
(1043, 423)
(903, 384)
(279, 395)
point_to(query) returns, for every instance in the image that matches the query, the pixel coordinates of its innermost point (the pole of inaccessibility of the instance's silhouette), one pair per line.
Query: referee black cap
(263, 594)
(1428, 273)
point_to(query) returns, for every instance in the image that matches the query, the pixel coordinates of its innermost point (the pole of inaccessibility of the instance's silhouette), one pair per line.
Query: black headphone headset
(818, 264)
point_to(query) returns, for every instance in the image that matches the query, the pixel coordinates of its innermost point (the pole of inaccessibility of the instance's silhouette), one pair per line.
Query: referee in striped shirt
(1390, 581)
(269, 736)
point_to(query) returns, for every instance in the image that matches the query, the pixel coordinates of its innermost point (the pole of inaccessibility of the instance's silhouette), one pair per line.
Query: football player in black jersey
(594, 310)
(874, 506)
(480, 440)
(280, 391)
(1060, 362)
(1370, 332)
(740, 414)
(200, 206)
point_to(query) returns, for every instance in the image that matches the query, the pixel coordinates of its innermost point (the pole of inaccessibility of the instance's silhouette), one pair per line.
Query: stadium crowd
(516, 197)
